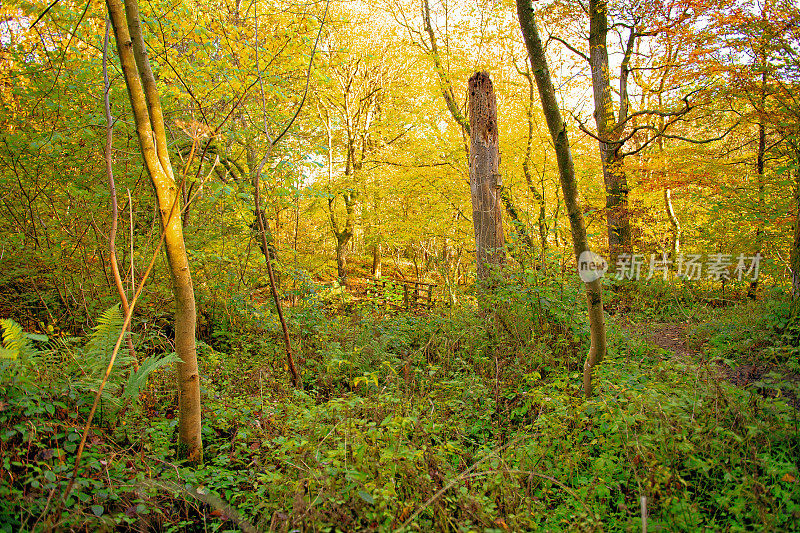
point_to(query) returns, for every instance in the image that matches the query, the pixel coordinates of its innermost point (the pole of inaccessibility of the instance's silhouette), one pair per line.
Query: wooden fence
(402, 294)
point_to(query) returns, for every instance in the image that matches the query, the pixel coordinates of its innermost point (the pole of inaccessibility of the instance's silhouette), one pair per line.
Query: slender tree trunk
(542, 222)
(527, 167)
(517, 224)
(445, 83)
(759, 240)
(616, 182)
(150, 129)
(795, 252)
(342, 235)
(376, 260)
(677, 231)
(112, 188)
(556, 213)
(449, 271)
(484, 175)
(569, 186)
(297, 380)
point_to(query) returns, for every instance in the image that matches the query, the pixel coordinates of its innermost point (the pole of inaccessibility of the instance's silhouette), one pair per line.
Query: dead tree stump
(484, 175)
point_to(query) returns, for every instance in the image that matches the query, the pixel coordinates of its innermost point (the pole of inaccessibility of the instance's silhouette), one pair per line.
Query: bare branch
(570, 47)
(664, 135)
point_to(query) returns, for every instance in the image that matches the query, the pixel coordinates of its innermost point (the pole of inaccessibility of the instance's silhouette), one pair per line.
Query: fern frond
(96, 354)
(105, 334)
(14, 340)
(16, 345)
(138, 378)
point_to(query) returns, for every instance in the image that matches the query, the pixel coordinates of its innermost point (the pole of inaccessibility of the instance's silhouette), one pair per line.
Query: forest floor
(670, 337)
(425, 420)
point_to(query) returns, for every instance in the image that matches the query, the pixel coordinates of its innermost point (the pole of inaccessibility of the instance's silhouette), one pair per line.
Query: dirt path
(670, 337)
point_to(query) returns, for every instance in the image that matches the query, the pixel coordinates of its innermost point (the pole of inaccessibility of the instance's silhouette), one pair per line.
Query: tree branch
(570, 48)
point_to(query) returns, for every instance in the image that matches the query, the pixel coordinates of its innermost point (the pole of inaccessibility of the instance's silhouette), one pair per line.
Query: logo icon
(591, 266)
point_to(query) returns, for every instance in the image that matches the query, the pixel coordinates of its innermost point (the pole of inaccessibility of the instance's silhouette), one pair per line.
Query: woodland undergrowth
(443, 420)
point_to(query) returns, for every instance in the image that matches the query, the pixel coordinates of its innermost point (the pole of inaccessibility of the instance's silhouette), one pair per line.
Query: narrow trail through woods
(670, 337)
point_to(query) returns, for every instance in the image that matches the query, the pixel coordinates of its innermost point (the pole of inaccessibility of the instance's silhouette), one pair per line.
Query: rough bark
(569, 186)
(149, 120)
(609, 130)
(447, 92)
(484, 175)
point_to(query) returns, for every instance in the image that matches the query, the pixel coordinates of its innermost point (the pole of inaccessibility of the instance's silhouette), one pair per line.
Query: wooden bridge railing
(402, 294)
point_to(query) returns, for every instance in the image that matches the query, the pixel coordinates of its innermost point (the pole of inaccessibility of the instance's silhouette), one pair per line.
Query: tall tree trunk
(569, 186)
(150, 129)
(795, 252)
(608, 130)
(112, 188)
(484, 175)
(759, 240)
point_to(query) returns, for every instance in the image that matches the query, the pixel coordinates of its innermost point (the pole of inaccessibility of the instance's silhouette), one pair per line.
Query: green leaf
(137, 379)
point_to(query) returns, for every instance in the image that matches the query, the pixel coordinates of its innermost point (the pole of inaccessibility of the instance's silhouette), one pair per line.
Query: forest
(399, 265)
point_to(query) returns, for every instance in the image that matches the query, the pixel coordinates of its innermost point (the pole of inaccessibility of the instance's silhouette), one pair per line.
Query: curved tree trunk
(569, 186)
(153, 141)
(112, 189)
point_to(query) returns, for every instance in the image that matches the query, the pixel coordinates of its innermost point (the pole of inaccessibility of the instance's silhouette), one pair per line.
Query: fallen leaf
(502, 523)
